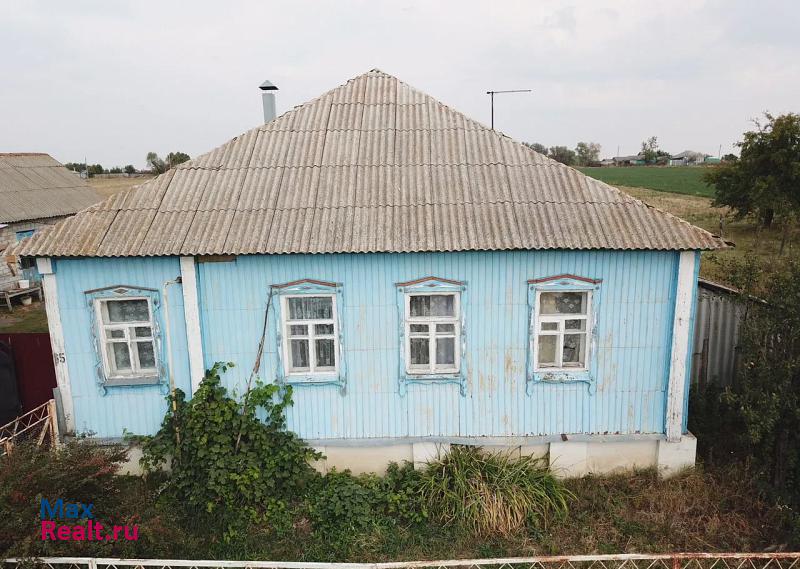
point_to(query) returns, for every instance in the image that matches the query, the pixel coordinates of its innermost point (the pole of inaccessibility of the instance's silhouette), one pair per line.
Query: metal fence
(38, 426)
(625, 561)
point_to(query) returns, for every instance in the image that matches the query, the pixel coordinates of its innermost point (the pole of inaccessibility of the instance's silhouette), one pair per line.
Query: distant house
(687, 158)
(36, 191)
(419, 279)
(633, 160)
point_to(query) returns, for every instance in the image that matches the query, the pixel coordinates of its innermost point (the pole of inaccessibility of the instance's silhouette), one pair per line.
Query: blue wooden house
(426, 281)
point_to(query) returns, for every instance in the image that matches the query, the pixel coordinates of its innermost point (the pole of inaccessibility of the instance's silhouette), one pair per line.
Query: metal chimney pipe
(268, 99)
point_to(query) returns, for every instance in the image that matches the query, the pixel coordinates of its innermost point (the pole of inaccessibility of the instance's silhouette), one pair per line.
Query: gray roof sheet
(35, 186)
(371, 166)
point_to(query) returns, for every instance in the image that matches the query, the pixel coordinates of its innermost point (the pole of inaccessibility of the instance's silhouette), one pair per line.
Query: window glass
(446, 351)
(432, 305)
(563, 303)
(432, 331)
(420, 351)
(562, 329)
(127, 311)
(311, 308)
(310, 348)
(127, 329)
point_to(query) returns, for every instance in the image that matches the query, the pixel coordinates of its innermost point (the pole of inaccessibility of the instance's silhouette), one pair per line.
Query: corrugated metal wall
(634, 330)
(137, 409)
(716, 337)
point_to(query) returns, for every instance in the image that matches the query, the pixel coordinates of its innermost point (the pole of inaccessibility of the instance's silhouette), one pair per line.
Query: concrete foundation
(568, 456)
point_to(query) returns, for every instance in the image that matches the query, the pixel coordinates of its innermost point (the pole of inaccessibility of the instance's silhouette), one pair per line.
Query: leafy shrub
(229, 467)
(491, 494)
(345, 503)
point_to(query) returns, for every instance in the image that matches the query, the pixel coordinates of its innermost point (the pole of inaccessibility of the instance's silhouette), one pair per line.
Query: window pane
(446, 351)
(298, 330)
(420, 305)
(326, 356)
(445, 328)
(299, 354)
(311, 308)
(115, 334)
(147, 357)
(562, 303)
(323, 329)
(574, 348)
(120, 356)
(575, 324)
(127, 310)
(419, 328)
(549, 325)
(143, 331)
(443, 305)
(419, 351)
(547, 350)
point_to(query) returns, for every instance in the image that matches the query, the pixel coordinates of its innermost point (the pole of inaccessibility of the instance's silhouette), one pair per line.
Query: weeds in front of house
(240, 486)
(492, 494)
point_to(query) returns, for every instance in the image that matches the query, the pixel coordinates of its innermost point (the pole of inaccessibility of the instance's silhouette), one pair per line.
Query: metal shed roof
(371, 166)
(35, 186)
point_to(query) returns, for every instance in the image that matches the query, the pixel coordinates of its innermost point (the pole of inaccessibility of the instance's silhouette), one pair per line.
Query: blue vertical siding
(633, 341)
(137, 409)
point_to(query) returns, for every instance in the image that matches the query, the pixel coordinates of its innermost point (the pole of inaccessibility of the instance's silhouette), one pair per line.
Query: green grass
(27, 319)
(675, 179)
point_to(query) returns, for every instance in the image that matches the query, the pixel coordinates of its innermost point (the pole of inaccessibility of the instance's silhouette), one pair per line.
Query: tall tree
(535, 146)
(765, 181)
(157, 165)
(562, 154)
(175, 158)
(587, 153)
(650, 149)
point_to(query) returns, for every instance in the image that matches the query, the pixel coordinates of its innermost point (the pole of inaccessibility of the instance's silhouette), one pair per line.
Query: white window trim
(312, 354)
(432, 321)
(136, 370)
(561, 318)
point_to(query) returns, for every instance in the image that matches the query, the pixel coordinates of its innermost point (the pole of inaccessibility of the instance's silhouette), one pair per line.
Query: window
(126, 337)
(310, 332)
(24, 234)
(432, 331)
(561, 341)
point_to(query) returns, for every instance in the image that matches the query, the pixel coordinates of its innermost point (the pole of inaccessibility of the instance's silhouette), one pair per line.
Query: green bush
(491, 493)
(343, 503)
(233, 463)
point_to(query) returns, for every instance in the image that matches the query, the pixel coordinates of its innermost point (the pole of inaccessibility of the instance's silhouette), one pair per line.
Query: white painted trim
(45, 267)
(681, 336)
(191, 310)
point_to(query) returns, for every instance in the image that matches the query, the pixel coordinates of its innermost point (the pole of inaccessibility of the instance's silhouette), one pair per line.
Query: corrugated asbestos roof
(35, 186)
(371, 166)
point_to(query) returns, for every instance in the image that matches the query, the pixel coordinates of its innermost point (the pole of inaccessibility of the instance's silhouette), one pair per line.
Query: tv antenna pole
(493, 93)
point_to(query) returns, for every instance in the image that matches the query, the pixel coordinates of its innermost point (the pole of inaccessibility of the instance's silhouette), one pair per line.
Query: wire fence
(780, 560)
(38, 426)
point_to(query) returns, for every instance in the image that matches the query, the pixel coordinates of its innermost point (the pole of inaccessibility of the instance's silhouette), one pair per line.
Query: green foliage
(232, 463)
(757, 419)
(587, 153)
(536, 147)
(562, 154)
(492, 494)
(345, 504)
(764, 181)
(650, 150)
(130, 169)
(159, 165)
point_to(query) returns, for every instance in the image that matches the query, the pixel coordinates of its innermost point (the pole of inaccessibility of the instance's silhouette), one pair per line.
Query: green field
(675, 179)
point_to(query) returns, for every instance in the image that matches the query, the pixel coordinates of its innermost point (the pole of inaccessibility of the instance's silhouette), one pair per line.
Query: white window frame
(109, 366)
(432, 321)
(311, 336)
(561, 319)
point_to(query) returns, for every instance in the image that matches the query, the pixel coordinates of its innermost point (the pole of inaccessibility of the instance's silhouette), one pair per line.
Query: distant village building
(687, 158)
(633, 160)
(36, 191)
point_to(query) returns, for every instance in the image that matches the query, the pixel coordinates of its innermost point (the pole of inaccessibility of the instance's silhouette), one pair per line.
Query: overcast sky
(113, 80)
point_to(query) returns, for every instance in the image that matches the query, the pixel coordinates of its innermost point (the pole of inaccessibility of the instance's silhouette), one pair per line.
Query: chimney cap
(268, 86)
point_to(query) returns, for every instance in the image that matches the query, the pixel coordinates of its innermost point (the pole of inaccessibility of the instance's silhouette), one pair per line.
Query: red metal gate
(36, 375)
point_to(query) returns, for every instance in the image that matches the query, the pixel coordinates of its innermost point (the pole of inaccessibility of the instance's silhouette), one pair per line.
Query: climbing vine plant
(232, 462)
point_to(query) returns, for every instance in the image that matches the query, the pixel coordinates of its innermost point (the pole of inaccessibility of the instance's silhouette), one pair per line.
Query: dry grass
(110, 186)
(746, 236)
